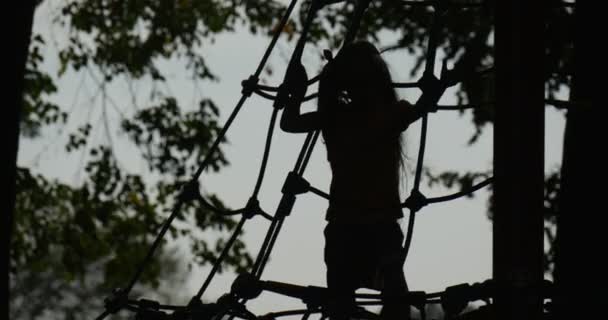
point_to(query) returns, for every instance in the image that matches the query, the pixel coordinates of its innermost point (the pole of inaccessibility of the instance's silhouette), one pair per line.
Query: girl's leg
(341, 273)
(394, 292)
(341, 300)
(396, 305)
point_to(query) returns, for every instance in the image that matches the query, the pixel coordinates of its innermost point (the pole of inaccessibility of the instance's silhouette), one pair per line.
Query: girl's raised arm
(407, 114)
(292, 120)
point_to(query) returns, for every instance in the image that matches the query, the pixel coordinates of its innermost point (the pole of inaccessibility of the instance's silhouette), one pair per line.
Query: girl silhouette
(361, 121)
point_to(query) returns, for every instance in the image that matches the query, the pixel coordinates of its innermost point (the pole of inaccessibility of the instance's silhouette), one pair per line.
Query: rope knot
(249, 85)
(295, 184)
(416, 201)
(190, 191)
(246, 286)
(252, 208)
(117, 301)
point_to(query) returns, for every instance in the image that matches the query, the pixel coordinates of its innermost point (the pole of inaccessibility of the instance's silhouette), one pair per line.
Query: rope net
(248, 286)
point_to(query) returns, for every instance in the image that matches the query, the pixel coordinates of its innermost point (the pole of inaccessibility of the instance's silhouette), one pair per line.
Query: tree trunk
(20, 32)
(518, 160)
(578, 233)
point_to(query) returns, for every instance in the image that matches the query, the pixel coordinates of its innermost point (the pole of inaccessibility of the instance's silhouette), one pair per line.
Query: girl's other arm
(294, 122)
(408, 114)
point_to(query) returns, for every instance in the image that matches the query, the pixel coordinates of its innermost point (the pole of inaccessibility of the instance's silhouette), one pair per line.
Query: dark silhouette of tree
(24, 12)
(578, 236)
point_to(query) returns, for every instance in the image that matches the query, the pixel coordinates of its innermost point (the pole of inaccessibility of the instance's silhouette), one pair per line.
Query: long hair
(359, 78)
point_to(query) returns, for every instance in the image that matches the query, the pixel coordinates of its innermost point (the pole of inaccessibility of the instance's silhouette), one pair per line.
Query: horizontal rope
(406, 85)
(265, 95)
(288, 313)
(461, 107)
(462, 193)
(319, 192)
(433, 3)
(158, 306)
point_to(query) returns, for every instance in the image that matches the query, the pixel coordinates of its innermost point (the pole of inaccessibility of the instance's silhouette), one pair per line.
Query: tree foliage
(106, 223)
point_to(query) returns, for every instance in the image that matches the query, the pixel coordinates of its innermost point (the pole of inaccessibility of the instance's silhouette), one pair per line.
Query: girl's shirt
(361, 149)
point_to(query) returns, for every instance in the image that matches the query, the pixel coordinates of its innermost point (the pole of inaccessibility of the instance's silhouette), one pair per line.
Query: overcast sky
(451, 243)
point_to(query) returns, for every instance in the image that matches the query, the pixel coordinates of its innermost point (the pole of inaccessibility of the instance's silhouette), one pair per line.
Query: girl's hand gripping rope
(296, 84)
(295, 89)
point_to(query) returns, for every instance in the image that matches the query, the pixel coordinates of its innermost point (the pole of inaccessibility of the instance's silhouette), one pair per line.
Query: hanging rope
(271, 126)
(430, 95)
(275, 226)
(220, 259)
(288, 199)
(117, 300)
(311, 138)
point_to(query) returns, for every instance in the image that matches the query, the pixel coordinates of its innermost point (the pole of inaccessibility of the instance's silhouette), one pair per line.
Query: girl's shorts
(362, 255)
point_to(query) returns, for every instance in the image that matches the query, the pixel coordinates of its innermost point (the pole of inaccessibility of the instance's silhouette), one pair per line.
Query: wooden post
(580, 238)
(518, 159)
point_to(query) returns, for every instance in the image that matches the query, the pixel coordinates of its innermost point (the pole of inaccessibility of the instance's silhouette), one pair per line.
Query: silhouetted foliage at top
(130, 36)
(37, 110)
